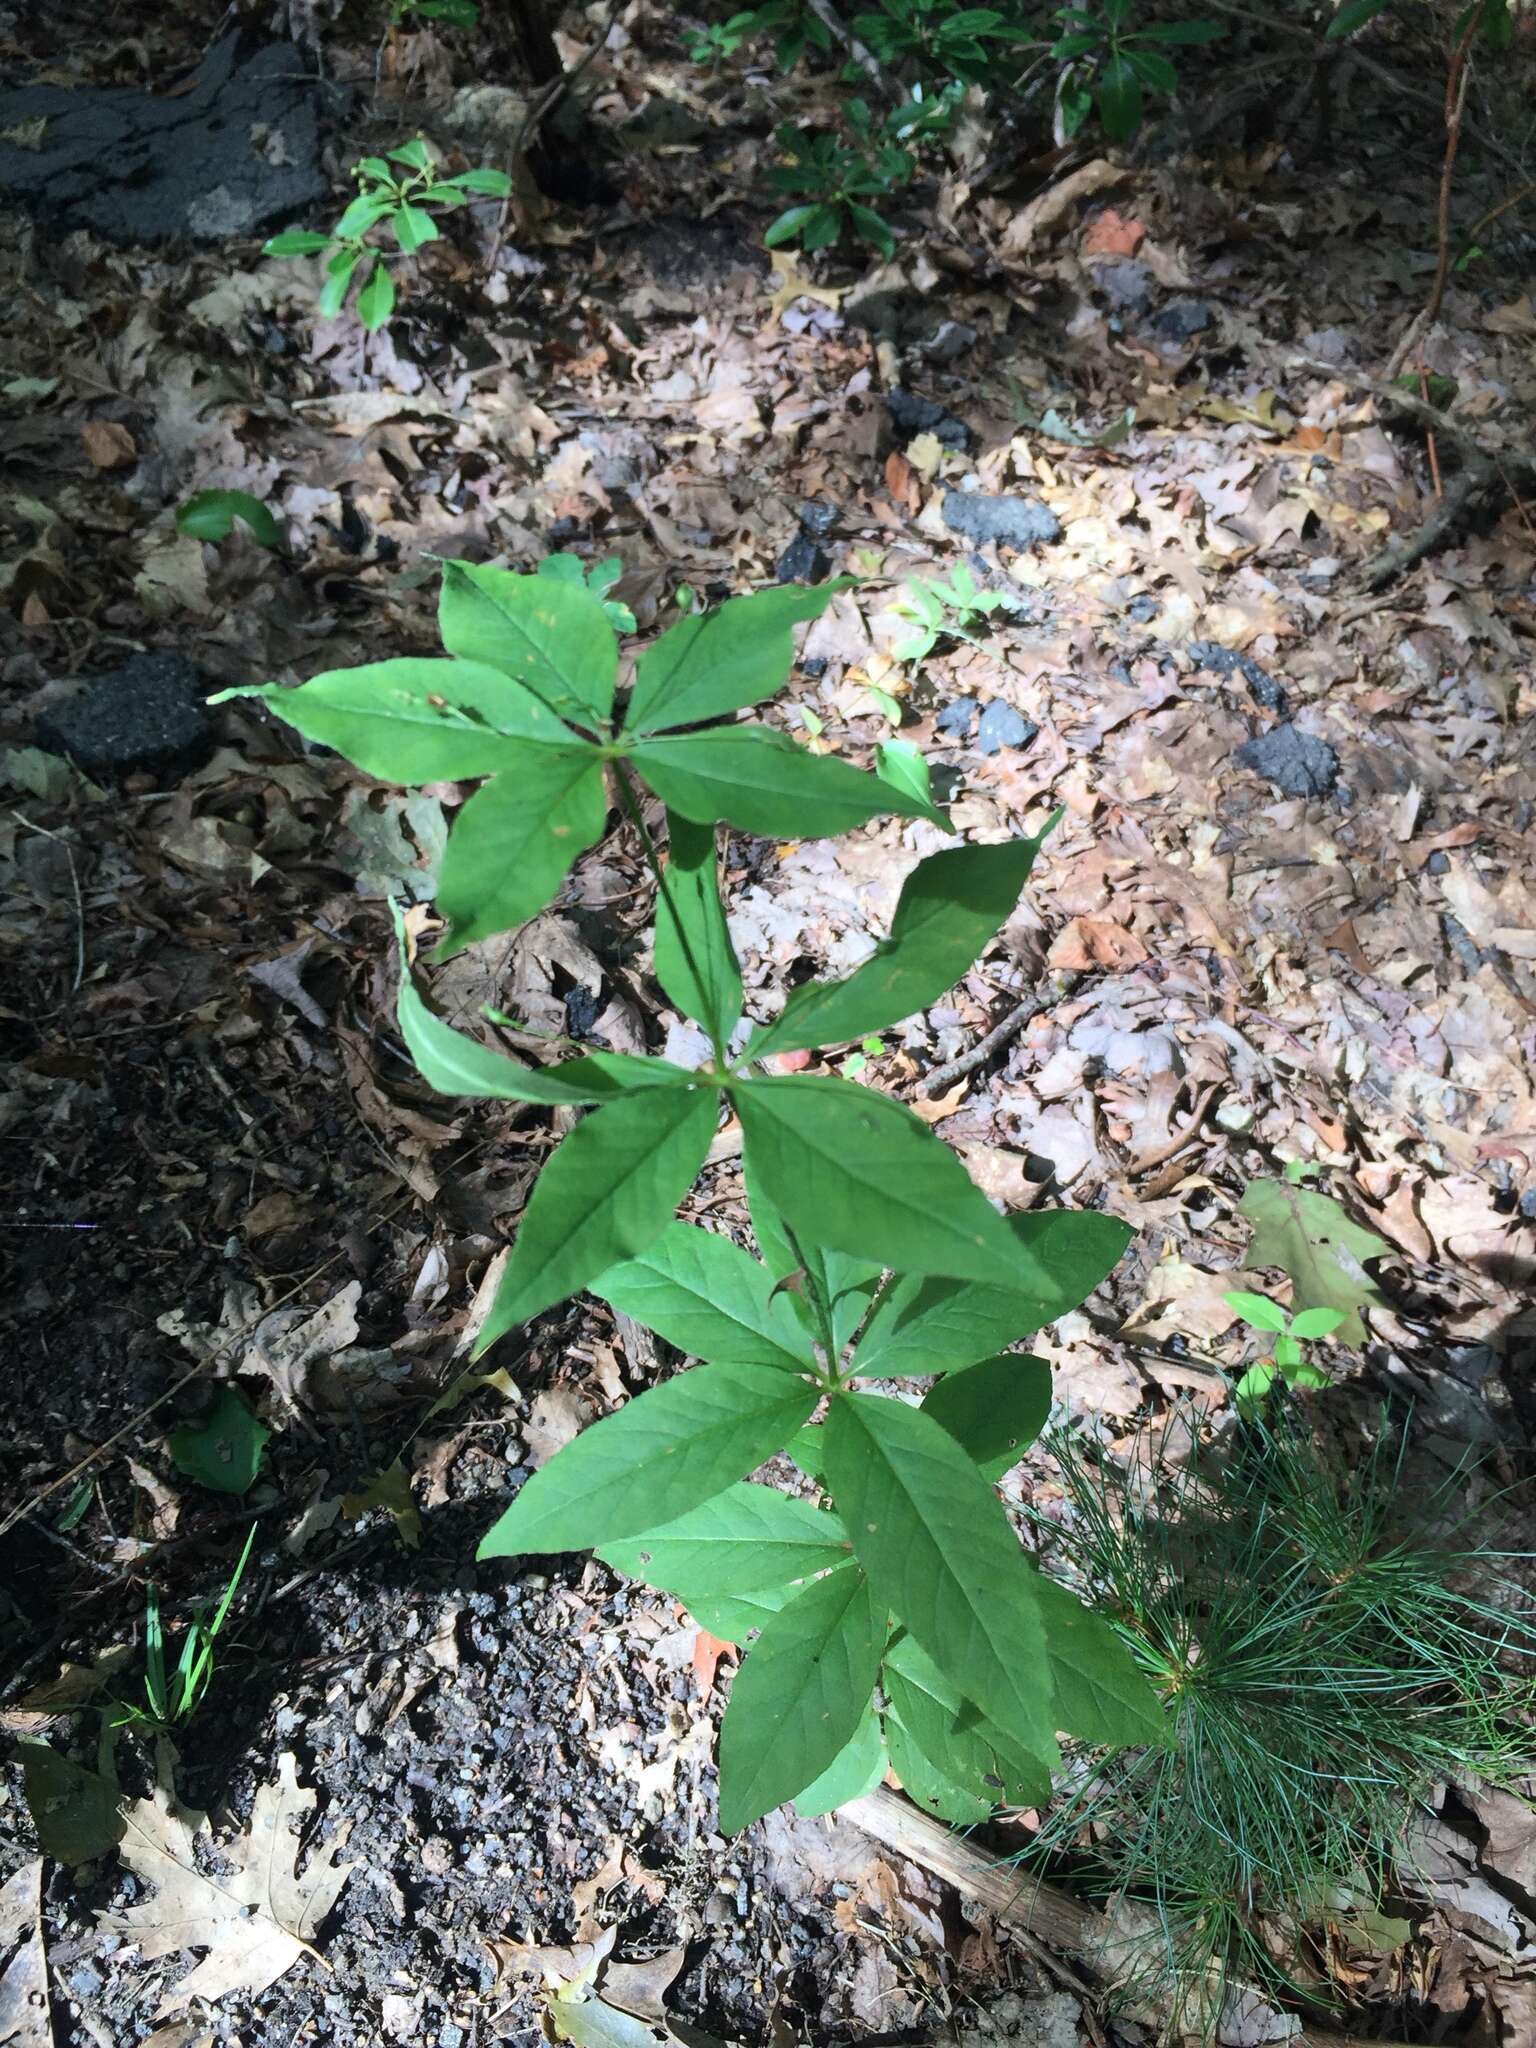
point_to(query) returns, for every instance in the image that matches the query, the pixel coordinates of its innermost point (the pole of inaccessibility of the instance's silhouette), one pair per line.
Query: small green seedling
(209, 515)
(942, 611)
(1290, 1333)
(456, 13)
(403, 200)
(799, 28)
(1106, 59)
(965, 42)
(836, 179)
(175, 1696)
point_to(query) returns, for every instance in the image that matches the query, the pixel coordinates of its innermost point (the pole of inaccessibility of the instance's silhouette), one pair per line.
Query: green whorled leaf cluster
(898, 1619)
(908, 1576)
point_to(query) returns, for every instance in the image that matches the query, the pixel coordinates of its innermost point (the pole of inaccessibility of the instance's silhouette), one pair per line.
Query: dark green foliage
(1325, 1658)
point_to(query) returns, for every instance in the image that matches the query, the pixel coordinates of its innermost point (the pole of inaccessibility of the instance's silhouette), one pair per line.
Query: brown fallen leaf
(24, 2017)
(1056, 202)
(1112, 234)
(108, 444)
(255, 1921)
(1095, 942)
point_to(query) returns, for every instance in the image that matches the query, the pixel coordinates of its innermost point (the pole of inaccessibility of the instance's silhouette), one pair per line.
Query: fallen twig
(1021, 1902)
(1022, 1013)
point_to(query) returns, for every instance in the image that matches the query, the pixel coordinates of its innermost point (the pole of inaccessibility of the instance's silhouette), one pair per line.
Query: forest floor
(220, 1162)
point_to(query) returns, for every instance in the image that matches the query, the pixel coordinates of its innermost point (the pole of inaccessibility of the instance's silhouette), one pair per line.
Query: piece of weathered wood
(1050, 1916)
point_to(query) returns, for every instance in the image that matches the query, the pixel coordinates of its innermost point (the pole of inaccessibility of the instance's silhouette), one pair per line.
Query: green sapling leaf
(699, 1292)
(1307, 1235)
(1256, 1310)
(800, 1697)
(210, 515)
(711, 663)
(993, 1410)
(940, 1553)
(223, 1453)
(695, 961)
(667, 1450)
(856, 1769)
(748, 1539)
(763, 782)
(513, 843)
(950, 906)
(552, 637)
(606, 1193)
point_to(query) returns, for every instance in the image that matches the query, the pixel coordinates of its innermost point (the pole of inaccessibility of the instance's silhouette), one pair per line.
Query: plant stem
(631, 804)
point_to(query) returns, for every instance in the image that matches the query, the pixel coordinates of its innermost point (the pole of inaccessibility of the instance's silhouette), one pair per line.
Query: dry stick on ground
(1022, 1013)
(1458, 78)
(1022, 1902)
(538, 112)
(1480, 468)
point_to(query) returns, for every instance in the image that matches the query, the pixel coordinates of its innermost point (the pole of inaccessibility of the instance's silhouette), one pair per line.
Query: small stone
(148, 713)
(912, 415)
(1011, 522)
(1183, 319)
(1296, 762)
(1438, 863)
(817, 517)
(956, 719)
(1142, 609)
(1226, 661)
(1125, 283)
(949, 340)
(803, 561)
(1001, 726)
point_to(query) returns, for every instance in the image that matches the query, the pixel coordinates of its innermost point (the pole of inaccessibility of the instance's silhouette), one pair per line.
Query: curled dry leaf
(24, 2019)
(256, 1921)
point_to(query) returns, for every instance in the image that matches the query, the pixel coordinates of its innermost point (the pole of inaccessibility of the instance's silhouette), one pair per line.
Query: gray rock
(911, 415)
(1001, 726)
(956, 719)
(949, 340)
(239, 150)
(803, 561)
(1011, 522)
(1125, 283)
(148, 713)
(1296, 762)
(1143, 608)
(1226, 661)
(1183, 319)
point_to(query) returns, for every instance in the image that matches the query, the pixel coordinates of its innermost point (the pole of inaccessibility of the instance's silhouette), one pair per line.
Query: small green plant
(173, 1696)
(456, 13)
(1107, 60)
(210, 515)
(799, 28)
(1326, 1657)
(837, 179)
(401, 200)
(961, 42)
(942, 611)
(1288, 1365)
(879, 1257)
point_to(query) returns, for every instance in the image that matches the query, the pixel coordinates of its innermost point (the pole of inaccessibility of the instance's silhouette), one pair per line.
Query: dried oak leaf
(256, 1920)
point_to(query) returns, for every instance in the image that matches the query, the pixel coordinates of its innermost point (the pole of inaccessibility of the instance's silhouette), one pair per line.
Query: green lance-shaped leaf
(1306, 1234)
(748, 1539)
(940, 1553)
(848, 1167)
(928, 1325)
(457, 1065)
(763, 782)
(737, 1617)
(994, 1410)
(612, 1186)
(844, 1282)
(513, 843)
(700, 1292)
(856, 1769)
(798, 1700)
(209, 515)
(224, 1452)
(416, 721)
(695, 961)
(927, 1787)
(960, 1744)
(1101, 1695)
(950, 906)
(553, 637)
(714, 662)
(667, 1450)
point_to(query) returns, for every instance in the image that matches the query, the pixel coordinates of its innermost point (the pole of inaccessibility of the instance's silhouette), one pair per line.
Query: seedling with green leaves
(1329, 1645)
(836, 180)
(880, 1258)
(962, 42)
(1288, 1363)
(1105, 58)
(401, 200)
(454, 13)
(799, 28)
(174, 1694)
(942, 611)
